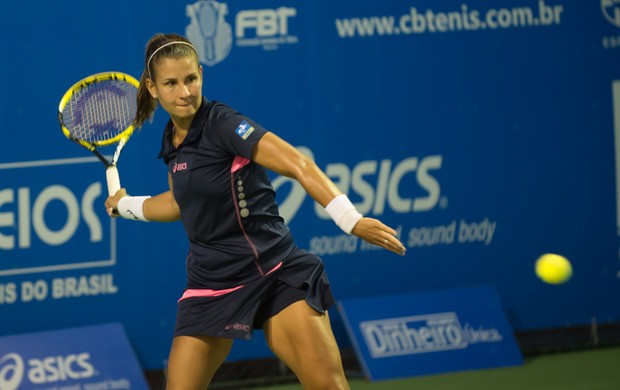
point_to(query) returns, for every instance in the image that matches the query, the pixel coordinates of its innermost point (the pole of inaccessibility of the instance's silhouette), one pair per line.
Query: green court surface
(592, 369)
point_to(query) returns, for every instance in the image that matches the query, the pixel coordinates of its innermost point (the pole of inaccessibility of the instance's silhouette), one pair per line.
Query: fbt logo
(47, 370)
(402, 186)
(212, 34)
(265, 23)
(209, 31)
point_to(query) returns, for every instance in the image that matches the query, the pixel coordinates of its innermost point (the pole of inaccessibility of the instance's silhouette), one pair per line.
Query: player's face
(178, 87)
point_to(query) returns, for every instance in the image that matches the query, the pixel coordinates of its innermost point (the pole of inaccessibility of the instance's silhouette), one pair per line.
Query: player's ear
(150, 85)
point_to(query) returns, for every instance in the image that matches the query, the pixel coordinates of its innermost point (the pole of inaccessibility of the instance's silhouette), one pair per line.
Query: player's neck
(178, 135)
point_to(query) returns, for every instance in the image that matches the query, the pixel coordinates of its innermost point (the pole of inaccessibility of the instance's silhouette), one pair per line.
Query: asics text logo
(179, 167)
(405, 186)
(60, 368)
(47, 370)
(238, 326)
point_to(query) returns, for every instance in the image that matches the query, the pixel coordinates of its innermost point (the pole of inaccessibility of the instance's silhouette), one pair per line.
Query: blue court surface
(593, 369)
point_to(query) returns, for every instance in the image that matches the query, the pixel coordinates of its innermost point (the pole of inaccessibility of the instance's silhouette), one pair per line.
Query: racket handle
(114, 181)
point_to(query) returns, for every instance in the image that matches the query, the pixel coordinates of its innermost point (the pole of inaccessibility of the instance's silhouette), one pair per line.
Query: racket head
(99, 110)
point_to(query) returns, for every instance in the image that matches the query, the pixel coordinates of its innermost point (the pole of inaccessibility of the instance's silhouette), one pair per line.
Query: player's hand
(375, 232)
(111, 204)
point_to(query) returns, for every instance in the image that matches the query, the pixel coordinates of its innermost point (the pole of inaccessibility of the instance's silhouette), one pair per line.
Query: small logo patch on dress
(244, 130)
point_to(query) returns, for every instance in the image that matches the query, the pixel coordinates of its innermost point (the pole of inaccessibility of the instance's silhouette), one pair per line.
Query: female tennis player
(244, 271)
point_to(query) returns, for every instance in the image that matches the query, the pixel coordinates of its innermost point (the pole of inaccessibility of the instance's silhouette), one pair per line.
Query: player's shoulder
(223, 111)
(223, 117)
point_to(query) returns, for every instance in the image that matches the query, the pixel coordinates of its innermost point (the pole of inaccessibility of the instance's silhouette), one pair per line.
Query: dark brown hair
(154, 52)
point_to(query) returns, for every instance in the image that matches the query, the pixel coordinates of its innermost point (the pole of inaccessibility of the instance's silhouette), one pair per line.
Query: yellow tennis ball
(553, 269)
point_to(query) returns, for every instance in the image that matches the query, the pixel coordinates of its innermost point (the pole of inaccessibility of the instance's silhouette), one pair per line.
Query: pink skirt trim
(206, 292)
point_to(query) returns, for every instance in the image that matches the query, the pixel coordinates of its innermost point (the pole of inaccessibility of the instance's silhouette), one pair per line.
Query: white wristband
(342, 211)
(130, 207)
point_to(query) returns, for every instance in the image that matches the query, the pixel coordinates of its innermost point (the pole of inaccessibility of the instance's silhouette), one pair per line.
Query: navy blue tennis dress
(243, 266)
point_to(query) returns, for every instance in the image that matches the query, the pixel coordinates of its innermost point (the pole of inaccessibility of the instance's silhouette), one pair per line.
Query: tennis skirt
(236, 312)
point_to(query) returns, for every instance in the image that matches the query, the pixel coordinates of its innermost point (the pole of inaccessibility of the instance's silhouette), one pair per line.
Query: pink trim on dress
(274, 268)
(238, 163)
(206, 292)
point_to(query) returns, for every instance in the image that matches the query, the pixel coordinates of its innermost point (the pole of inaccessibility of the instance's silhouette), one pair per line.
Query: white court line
(43, 163)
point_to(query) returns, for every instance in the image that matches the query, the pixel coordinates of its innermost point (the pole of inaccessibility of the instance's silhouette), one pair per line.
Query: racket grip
(114, 181)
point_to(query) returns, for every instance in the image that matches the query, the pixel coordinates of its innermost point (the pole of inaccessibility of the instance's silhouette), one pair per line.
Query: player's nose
(185, 91)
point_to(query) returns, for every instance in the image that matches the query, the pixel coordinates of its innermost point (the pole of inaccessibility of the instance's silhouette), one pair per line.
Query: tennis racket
(98, 111)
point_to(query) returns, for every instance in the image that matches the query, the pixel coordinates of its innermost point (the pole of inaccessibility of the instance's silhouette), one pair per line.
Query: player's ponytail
(145, 102)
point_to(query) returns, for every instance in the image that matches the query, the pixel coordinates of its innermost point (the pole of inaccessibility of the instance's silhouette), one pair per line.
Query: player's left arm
(276, 154)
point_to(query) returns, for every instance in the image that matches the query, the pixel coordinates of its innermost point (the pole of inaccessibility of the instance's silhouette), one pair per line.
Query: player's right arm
(158, 208)
(162, 207)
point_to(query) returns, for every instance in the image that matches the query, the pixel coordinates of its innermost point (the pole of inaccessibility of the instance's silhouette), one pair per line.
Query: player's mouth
(185, 104)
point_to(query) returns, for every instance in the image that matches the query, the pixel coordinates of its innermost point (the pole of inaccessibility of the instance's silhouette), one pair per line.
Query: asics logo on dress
(179, 167)
(238, 326)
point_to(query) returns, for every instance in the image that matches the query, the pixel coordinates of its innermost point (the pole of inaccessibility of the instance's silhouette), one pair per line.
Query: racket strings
(101, 110)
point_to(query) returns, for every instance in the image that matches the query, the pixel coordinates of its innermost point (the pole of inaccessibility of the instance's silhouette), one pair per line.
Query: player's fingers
(379, 228)
(120, 193)
(112, 212)
(387, 229)
(391, 243)
(386, 237)
(377, 233)
(111, 205)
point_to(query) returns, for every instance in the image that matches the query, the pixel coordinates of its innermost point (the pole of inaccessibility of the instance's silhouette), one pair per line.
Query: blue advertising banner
(404, 335)
(55, 216)
(89, 358)
(485, 133)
